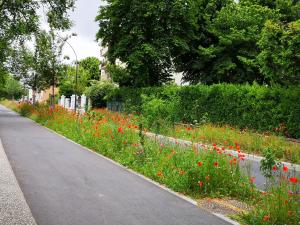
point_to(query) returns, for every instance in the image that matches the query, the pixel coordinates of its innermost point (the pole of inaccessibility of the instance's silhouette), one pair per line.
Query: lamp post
(76, 77)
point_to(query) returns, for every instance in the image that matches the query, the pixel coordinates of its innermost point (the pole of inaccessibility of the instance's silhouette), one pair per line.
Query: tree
(39, 69)
(279, 58)
(232, 57)
(228, 49)
(67, 84)
(188, 57)
(19, 19)
(209, 41)
(13, 88)
(289, 10)
(91, 66)
(3, 78)
(119, 75)
(141, 34)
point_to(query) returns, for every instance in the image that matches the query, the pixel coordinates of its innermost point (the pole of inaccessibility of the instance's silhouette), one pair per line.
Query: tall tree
(67, 82)
(141, 33)
(40, 68)
(232, 57)
(19, 18)
(190, 60)
(279, 58)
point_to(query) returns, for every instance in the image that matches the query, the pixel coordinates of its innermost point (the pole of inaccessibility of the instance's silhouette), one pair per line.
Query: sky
(84, 25)
(86, 28)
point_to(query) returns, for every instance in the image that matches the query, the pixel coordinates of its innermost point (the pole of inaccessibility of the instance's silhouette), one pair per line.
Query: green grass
(229, 137)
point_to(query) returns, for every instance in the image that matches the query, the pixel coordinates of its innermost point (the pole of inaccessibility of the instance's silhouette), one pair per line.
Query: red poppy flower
(200, 183)
(293, 180)
(274, 168)
(216, 164)
(120, 129)
(252, 180)
(199, 163)
(266, 218)
(159, 174)
(285, 169)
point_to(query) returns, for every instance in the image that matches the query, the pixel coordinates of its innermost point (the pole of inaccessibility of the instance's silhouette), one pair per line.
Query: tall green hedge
(245, 106)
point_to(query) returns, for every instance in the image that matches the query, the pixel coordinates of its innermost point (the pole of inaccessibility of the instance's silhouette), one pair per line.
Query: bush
(25, 109)
(261, 108)
(98, 93)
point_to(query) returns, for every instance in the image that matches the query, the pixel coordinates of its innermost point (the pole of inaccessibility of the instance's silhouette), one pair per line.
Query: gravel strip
(13, 207)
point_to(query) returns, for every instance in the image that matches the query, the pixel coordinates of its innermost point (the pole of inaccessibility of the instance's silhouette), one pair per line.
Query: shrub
(98, 93)
(25, 109)
(158, 111)
(261, 108)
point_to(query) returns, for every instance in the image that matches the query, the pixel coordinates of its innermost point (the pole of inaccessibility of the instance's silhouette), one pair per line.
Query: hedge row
(245, 106)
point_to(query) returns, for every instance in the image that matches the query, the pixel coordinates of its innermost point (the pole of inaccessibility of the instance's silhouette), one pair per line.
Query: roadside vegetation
(207, 173)
(235, 139)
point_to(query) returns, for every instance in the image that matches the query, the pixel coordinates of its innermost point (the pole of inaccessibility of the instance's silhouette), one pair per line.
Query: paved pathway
(65, 184)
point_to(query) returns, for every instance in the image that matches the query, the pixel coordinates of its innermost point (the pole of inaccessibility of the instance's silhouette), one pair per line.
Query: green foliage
(91, 66)
(98, 93)
(25, 109)
(19, 19)
(267, 163)
(13, 89)
(158, 111)
(67, 81)
(3, 77)
(244, 106)
(141, 33)
(209, 41)
(279, 59)
(280, 205)
(119, 75)
(232, 58)
(39, 69)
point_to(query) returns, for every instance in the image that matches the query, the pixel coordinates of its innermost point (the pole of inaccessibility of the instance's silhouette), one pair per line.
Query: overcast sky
(86, 28)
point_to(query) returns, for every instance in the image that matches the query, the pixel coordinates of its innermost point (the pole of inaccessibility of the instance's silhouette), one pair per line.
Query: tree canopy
(91, 66)
(41, 67)
(209, 41)
(139, 33)
(19, 19)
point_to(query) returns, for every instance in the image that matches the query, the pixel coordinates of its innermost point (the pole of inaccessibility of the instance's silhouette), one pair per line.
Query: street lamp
(76, 77)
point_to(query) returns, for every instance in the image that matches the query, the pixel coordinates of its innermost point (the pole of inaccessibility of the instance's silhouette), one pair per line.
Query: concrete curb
(14, 209)
(181, 196)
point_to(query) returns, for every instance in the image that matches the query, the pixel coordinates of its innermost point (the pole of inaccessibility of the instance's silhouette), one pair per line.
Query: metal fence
(115, 106)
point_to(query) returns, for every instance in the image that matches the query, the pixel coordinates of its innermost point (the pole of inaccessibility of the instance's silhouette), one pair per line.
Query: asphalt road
(65, 184)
